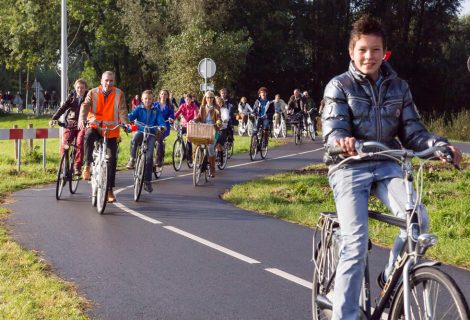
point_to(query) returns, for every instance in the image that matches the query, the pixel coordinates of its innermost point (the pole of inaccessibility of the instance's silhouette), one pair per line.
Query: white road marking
(135, 213)
(290, 277)
(212, 245)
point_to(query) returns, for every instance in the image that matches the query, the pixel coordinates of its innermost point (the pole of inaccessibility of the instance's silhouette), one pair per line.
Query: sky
(465, 7)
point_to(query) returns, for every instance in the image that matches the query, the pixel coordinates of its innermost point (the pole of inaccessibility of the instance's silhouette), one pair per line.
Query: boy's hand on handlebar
(81, 124)
(348, 145)
(52, 123)
(456, 156)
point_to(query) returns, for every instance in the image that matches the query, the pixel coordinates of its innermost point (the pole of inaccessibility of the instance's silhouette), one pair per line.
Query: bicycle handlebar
(429, 153)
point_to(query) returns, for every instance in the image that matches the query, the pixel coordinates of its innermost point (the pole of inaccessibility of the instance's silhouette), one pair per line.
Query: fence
(30, 133)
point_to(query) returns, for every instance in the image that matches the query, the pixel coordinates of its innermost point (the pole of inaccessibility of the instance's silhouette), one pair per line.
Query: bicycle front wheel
(197, 168)
(434, 295)
(324, 270)
(177, 155)
(101, 194)
(297, 134)
(62, 176)
(253, 147)
(229, 146)
(222, 161)
(157, 171)
(264, 146)
(139, 176)
(283, 128)
(311, 130)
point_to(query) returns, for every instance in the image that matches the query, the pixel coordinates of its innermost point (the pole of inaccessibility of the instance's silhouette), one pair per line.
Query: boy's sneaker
(131, 164)
(148, 186)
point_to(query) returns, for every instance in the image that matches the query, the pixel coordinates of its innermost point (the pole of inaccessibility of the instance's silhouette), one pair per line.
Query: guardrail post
(30, 141)
(44, 154)
(16, 144)
(19, 156)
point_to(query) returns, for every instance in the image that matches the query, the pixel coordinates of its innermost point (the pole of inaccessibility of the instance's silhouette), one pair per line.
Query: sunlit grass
(300, 196)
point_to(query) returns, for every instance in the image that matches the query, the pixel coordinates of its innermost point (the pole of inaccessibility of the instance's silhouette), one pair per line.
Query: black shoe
(381, 280)
(148, 186)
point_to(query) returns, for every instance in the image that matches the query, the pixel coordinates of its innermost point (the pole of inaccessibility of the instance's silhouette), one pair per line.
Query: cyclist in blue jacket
(168, 112)
(149, 114)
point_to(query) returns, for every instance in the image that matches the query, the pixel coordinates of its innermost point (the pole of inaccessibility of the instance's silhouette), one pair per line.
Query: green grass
(300, 196)
(28, 287)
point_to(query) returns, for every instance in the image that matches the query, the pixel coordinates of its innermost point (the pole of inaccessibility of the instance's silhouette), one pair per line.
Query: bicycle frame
(416, 243)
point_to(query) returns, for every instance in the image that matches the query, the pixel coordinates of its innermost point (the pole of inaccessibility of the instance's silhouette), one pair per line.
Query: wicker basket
(201, 133)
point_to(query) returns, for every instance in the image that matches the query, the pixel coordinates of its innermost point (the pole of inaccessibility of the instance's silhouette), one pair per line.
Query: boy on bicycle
(72, 109)
(369, 102)
(148, 114)
(264, 110)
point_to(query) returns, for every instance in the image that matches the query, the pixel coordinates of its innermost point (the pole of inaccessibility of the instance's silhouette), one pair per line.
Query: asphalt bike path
(180, 252)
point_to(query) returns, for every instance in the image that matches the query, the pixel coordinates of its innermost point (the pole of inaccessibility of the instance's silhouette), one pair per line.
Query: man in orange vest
(104, 106)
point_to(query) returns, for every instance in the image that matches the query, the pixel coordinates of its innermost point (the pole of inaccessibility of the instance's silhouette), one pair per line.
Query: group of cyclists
(105, 106)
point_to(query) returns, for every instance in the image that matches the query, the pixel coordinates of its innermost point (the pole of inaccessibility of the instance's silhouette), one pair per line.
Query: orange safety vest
(104, 111)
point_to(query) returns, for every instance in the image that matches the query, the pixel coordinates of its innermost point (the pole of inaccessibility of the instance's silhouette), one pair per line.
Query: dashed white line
(135, 213)
(290, 277)
(212, 245)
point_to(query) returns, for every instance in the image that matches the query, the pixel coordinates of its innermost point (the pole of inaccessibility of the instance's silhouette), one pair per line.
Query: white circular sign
(206, 68)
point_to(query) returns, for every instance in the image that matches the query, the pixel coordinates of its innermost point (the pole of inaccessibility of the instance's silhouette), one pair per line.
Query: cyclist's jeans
(69, 135)
(161, 147)
(137, 139)
(352, 186)
(91, 136)
(189, 146)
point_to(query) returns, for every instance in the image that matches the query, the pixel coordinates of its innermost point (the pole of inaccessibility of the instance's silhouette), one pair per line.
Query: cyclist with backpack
(264, 110)
(71, 107)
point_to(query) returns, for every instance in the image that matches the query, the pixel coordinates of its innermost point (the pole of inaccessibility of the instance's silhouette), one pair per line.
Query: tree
(184, 51)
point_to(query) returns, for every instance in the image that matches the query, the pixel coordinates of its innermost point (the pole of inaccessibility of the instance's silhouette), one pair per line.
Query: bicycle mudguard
(426, 264)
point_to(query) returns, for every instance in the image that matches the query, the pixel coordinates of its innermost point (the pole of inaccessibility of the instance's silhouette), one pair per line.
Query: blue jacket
(151, 117)
(167, 112)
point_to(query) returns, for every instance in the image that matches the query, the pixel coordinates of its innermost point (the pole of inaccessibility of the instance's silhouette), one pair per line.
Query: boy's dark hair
(366, 25)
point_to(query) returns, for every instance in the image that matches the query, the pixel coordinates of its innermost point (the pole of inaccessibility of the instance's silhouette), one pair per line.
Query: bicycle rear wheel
(253, 147)
(198, 162)
(102, 186)
(178, 154)
(73, 179)
(434, 295)
(139, 176)
(62, 175)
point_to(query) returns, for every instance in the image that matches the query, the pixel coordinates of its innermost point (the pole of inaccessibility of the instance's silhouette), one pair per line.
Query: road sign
(206, 87)
(206, 68)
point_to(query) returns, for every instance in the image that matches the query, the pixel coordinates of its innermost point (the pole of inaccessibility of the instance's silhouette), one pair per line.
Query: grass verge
(300, 196)
(28, 287)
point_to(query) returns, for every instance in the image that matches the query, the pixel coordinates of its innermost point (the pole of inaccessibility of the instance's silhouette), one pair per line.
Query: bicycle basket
(295, 118)
(201, 133)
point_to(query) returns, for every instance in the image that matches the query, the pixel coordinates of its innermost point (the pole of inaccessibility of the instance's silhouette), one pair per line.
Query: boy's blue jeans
(352, 186)
(136, 141)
